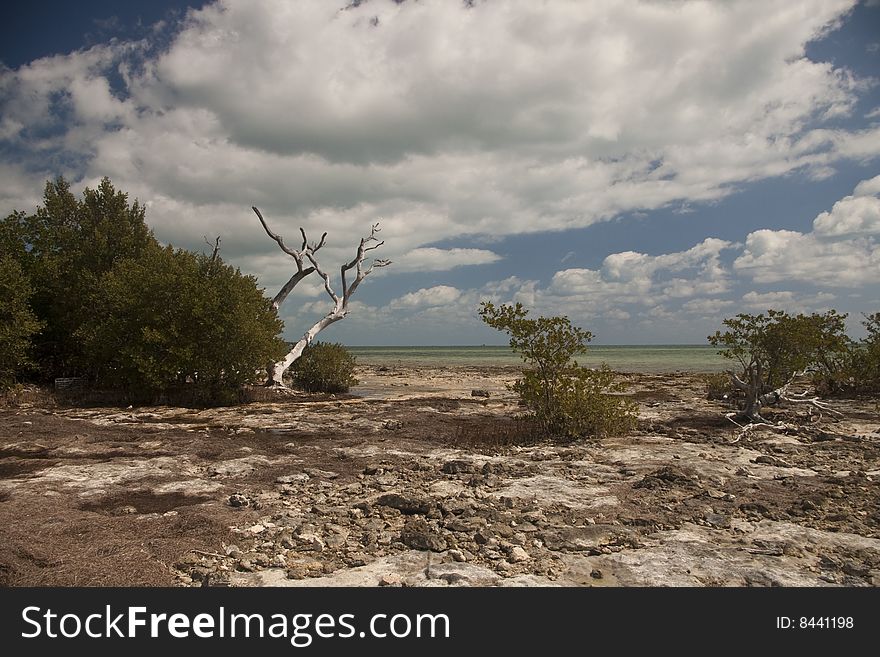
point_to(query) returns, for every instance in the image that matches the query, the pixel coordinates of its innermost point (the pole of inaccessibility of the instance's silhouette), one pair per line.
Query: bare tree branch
(215, 247)
(308, 252)
(301, 271)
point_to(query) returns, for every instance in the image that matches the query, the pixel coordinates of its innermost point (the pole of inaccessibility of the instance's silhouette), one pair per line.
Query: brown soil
(119, 497)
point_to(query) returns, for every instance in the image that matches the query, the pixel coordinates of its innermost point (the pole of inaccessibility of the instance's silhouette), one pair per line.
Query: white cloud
(840, 251)
(446, 122)
(858, 214)
(786, 300)
(706, 307)
(457, 127)
(630, 277)
(431, 259)
(439, 295)
(772, 256)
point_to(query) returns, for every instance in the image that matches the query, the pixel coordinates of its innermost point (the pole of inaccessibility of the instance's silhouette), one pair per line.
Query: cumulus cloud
(840, 251)
(630, 277)
(786, 300)
(445, 121)
(706, 307)
(858, 214)
(431, 259)
(456, 126)
(439, 295)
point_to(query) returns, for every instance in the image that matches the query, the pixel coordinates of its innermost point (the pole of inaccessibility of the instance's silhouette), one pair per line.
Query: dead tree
(756, 399)
(298, 257)
(341, 301)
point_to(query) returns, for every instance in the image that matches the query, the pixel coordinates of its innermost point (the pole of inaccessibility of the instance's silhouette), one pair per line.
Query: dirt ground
(415, 481)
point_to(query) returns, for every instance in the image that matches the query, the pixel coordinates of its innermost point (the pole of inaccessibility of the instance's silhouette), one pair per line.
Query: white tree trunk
(277, 370)
(755, 401)
(340, 303)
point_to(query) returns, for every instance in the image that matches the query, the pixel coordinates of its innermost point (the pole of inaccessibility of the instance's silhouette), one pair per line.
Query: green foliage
(565, 398)
(772, 348)
(776, 345)
(859, 369)
(122, 311)
(171, 318)
(65, 248)
(324, 367)
(17, 322)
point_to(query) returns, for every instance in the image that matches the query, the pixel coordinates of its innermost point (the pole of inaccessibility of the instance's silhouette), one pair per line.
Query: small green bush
(564, 399)
(587, 402)
(324, 367)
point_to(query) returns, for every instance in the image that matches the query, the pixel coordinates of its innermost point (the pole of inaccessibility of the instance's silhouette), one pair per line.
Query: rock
(772, 460)
(392, 425)
(309, 542)
(300, 569)
(457, 555)
(256, 529)
(484, 537)
(458, 466)
(409, 504)
(391, 579)
(237, 499)
(316, 473)
(292, 478)
(357, 559)
(480, 393)
(516, 554)
(419, 535)
(591, 537)
(596, 573)
(667, 476)
(717, 520)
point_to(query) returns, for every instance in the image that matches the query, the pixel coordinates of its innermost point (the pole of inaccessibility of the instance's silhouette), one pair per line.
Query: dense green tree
(170, 318)
(565, 398)
(65, 248)
(117, 308)
(17, 322)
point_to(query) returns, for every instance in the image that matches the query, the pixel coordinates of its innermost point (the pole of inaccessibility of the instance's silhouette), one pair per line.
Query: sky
(644, 168)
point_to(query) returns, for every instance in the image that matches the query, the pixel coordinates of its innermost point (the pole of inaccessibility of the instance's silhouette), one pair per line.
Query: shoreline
(314, 490)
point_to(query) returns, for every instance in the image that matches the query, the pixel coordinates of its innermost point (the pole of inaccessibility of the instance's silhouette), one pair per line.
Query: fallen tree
(307, 263)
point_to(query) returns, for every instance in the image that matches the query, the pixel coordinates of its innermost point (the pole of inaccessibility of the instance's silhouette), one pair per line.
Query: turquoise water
(623, 358)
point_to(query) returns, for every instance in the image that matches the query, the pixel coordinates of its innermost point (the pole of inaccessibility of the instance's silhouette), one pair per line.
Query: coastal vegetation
(773, 349)
(90, 293)
(564, 398)
(325, 367)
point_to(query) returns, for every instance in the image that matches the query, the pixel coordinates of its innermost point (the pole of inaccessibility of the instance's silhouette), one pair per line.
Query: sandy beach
(412, 480)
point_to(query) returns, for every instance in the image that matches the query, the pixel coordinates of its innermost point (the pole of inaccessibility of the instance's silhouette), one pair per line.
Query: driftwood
(756, 401)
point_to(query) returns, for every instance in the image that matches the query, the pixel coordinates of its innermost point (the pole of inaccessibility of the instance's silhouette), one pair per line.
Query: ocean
(622, 358)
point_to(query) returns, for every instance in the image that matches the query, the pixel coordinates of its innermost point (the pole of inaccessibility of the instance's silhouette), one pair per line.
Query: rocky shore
(420, 482)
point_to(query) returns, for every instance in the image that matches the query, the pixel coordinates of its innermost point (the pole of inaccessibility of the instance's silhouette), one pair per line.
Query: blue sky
(644, 168)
